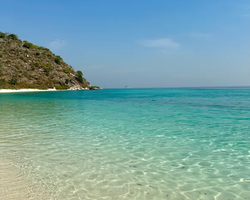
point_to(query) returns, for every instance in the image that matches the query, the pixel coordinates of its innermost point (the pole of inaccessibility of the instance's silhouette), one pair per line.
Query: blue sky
(141, 43)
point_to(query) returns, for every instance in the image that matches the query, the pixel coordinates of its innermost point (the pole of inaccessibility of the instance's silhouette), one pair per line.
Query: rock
(76, 87)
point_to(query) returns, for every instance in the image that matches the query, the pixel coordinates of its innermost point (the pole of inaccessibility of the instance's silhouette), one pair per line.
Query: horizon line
(182, 87)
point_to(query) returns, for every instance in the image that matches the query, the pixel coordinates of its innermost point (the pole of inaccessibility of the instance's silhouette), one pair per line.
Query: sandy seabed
(14, 185)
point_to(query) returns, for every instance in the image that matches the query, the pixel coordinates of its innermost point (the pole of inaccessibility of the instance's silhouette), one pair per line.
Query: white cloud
(165, 43)
(57, 44)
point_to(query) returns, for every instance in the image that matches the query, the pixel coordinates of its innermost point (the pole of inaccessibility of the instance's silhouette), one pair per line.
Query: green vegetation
(27, 44)
(47, 68)
(26, 65)
(23, 58)
(13, 81)
(35, 46)
(60, 87)
(67, 70)
(37, 64)
(79, 73)
(13, 37)
(79, 76)
(44, 48)
(9, 36)
(3, 83)
(67, 81)
(94, 87)
(58, 60)
(2, 35)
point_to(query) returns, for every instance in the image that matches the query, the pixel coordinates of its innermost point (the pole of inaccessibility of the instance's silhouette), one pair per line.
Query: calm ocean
(127, 144)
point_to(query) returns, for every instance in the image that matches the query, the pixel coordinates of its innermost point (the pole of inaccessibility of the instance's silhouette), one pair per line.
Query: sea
(128, 144)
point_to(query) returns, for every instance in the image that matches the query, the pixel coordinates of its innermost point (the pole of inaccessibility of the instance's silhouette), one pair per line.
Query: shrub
(37, 64)
(13, 81)
(79, 76)
(79, 73)
(67, 70)
(67, 81)
(37, 53)
(27, 44)
(58, 60)
(13, 37)
(47, 68)
(44, 48)
(2, 35)
(23, 58)
(80, 79)
(3, 83)
(49, 55)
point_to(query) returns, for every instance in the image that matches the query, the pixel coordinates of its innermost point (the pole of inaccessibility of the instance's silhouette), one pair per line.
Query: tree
(13, 37)
(58, 60)
(79, 76)
(13, 81)
(2, 35)
(79, 73)
(27, 44)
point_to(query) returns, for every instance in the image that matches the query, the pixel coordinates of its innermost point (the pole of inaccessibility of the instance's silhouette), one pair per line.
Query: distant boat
(126, 87)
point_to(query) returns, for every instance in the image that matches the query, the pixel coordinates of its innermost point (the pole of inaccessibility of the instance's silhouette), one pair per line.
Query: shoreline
(24, 90)
(40, 90)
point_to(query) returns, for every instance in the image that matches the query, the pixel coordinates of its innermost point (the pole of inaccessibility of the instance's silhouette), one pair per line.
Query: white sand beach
(25, 90)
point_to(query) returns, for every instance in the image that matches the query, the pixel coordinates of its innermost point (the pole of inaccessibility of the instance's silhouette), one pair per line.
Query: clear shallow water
(131, 143)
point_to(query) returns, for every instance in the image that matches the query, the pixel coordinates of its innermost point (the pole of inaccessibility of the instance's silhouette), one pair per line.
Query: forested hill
(26, 65)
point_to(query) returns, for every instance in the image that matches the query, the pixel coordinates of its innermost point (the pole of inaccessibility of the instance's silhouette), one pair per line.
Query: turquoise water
(130, 144)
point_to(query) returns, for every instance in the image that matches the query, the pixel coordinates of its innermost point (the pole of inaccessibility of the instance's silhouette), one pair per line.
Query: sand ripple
(15, 186)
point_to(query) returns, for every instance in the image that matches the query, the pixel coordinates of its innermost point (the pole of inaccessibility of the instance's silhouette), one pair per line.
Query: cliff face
(25, 65)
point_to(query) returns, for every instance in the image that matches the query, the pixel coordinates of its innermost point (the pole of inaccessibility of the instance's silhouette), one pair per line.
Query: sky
(140, 43)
